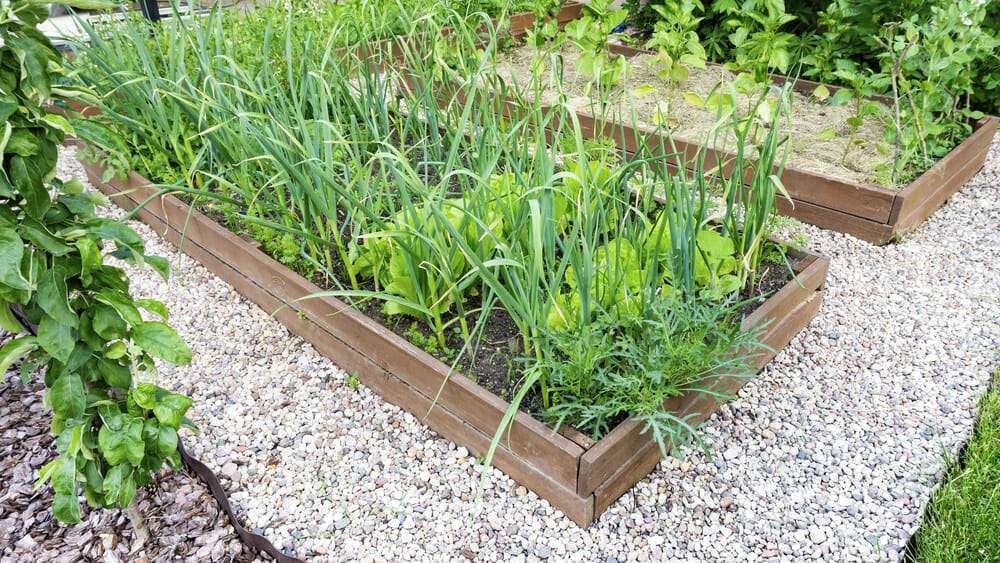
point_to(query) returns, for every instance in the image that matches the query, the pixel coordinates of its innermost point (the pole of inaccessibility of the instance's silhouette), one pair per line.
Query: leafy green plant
(628, 365)
(590, 34)
(861, 88)
(677, 47)
(928, 64)
(114, 428)
(755, 32)
(545, 27)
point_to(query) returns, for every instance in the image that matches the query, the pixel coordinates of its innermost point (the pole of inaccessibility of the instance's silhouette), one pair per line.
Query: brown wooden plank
(938, 198)
(808, 279)
(519, 23)
(528, 437)
(928, 192)
(604, 459)
(834, 220)
(647, 457)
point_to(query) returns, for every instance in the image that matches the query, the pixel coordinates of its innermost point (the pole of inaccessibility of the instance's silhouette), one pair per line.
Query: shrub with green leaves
(936, 57)
(72, 313)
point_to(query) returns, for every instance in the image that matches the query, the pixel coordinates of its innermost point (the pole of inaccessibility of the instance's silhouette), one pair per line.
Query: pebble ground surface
(831, 452)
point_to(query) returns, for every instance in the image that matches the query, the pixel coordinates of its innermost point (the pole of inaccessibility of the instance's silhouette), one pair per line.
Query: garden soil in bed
(819, 131)
(496, 362)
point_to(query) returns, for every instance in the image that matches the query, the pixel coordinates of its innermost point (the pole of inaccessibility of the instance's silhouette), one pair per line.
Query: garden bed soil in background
(575, 474)
(819, 130)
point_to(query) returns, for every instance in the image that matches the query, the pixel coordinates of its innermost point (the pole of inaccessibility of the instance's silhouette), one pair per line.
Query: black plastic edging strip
(250, 539)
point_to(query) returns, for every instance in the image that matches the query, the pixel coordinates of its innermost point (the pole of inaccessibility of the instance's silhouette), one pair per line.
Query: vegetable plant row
(569, 311)
(858, 162)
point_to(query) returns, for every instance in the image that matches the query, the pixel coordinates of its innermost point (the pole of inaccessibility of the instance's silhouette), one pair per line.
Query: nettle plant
(929, 64)
(755, 31)
(545, 27)
(71, 313)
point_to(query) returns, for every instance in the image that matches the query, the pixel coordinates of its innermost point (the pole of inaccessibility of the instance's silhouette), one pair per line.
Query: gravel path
(831, 452)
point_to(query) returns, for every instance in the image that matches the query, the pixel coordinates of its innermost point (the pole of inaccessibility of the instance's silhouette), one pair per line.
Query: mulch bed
(183, 519)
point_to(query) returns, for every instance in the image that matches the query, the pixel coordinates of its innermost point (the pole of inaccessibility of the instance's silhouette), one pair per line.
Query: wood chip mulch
(184, 521)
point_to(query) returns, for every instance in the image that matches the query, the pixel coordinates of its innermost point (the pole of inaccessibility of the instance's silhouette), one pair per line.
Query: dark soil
(773, 278)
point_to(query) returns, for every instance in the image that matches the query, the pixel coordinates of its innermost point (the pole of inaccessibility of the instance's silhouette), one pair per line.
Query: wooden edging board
(866, 211)
(573, 473)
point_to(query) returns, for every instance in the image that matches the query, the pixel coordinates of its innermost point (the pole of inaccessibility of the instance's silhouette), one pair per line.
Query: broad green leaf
(694, 99)
(35, 232)
(116, 350)
(115, 374)
(75, 440)
(166, 441)
(90, 258)
(66, 508)
(67, 396)
(159, 264)
(8, 106)
(170, 408)
(155, 307)
(113, 482)
(8, 321)
(121, 304)
(93, 475)
(161, 341)
(821, 92)
(22, 142)
(827, 134)
(107, 323)
(53, 297)
(11, 351)
(45, 473)
(116, 231)
(127, 491)
(58, 122)
(642, 91)
(144, 395)
(123, 444)
(11, 252)
(56, 338)
(64, 475)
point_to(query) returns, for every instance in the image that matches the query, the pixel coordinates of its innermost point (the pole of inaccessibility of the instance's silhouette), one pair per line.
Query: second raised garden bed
(578, 476)
(864, 210)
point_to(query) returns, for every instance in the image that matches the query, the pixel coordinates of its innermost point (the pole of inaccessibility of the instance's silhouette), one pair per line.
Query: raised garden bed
(850, 205)
(575, 474)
